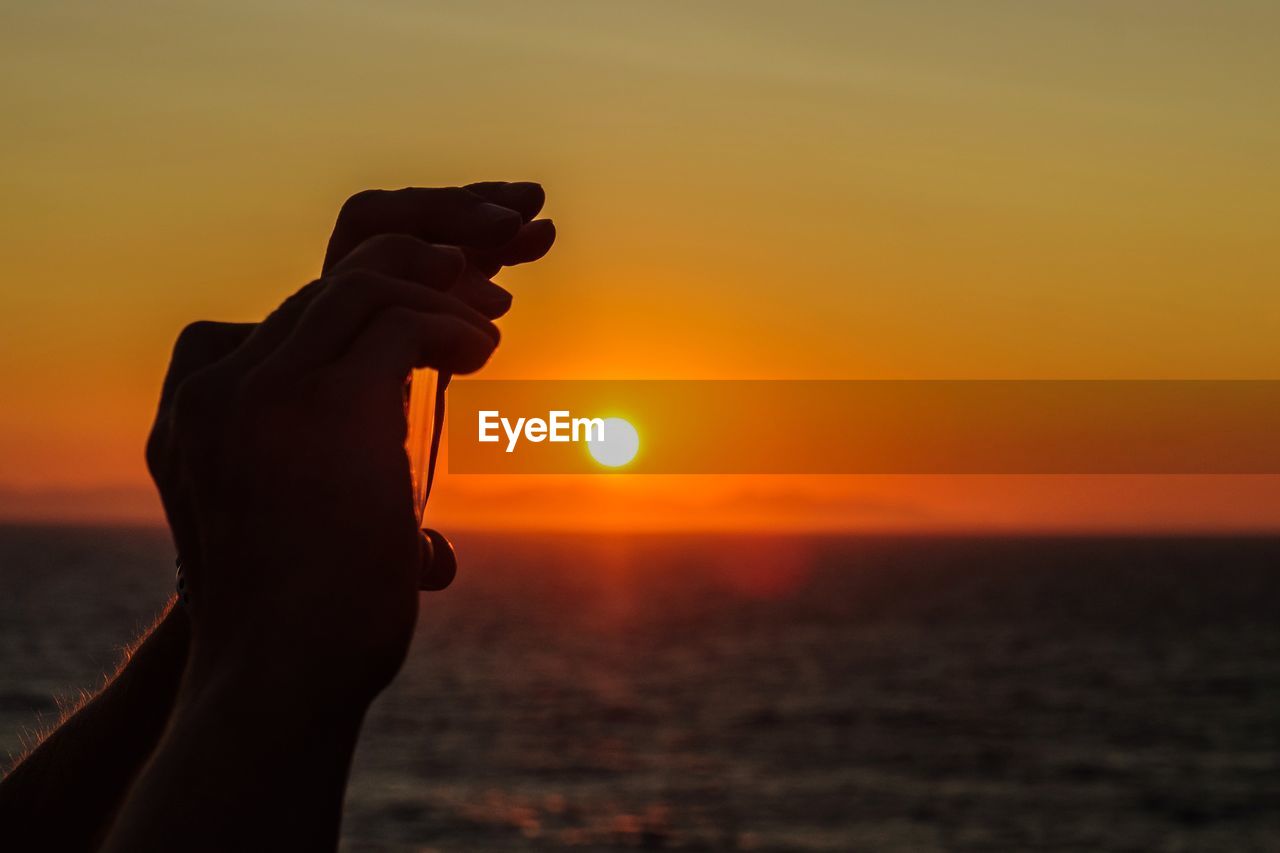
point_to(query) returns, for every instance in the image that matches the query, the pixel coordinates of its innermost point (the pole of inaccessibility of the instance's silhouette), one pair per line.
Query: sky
(742, 190)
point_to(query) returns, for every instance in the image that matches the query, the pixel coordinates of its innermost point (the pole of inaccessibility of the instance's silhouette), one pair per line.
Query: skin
(278, 454)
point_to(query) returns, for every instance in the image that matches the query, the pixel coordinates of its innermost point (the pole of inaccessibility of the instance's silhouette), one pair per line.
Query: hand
(279, 448)
(290, 451)
(492, 221)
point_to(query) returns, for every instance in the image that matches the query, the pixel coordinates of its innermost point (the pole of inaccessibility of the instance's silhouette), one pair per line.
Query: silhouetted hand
(492, 221)
(278, 448)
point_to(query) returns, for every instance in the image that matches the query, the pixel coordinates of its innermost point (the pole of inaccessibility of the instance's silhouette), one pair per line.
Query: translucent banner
(864, 427)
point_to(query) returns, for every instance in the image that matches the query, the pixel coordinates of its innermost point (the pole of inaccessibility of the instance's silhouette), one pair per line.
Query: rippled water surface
(791, 694)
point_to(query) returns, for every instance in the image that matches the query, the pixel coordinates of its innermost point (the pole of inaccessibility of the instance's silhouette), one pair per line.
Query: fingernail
(498, 213)
(533, 192)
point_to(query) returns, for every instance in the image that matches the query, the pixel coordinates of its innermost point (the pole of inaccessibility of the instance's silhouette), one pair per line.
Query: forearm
(247, 760)
(63, 794)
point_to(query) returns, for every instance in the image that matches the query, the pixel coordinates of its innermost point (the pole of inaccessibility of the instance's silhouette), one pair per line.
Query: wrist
(256, 702)
(268, 676)
(156, 663)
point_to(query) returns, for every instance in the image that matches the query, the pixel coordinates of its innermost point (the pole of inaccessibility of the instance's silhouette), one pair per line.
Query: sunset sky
(741, 189)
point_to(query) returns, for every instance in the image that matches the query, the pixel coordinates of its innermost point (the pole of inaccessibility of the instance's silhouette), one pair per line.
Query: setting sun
(620, 445)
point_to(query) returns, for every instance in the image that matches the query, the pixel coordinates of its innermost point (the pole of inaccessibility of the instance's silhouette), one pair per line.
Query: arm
(250, 757)
(62, 795)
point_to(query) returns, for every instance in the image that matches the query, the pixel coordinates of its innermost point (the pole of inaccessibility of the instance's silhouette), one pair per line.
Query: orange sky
(816, 190)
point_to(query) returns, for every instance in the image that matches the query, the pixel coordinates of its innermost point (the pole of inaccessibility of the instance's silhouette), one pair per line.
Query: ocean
(768, 693)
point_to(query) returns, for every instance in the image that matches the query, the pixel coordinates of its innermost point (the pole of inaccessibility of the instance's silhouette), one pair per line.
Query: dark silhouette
(278, 451)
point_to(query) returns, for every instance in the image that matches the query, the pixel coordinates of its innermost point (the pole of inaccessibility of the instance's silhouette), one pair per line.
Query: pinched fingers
(453, 215)
(349, 304)
(492, 220)
(400, 339)
(407, 257)
(531, 242)
(396, 255)
(524, 197)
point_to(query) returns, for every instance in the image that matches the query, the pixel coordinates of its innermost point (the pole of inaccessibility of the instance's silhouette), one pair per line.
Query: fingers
(439, 562)
(452, 215)
(400, 339)
(478, 217)
(532, 242)
(406, 257)
(396, 255)
(489, 299)
(349, 304)
(524, 197)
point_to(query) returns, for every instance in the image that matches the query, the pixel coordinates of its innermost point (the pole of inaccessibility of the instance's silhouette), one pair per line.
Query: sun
(620, 445)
